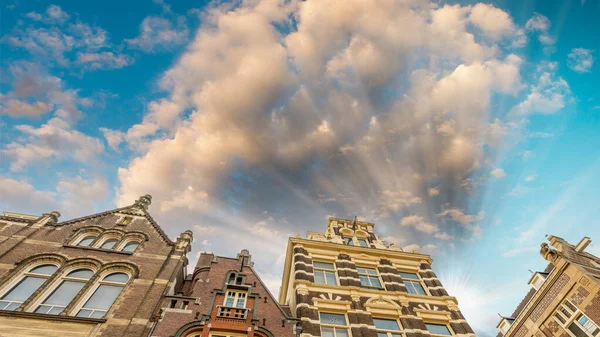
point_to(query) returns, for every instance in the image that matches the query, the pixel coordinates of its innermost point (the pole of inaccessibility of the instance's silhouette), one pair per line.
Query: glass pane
(331, 278)
(85, 274)
(409, 276)
(438, 329)
(327, 332)
(371, 271)
(104, 297)
(64, 293)
(361, 270)
(46, 269)
(576, 330)
(109, 244)
(363, 242)
(348, 241)
(386, 324)
(323, 265)
(24, 289)
(86, 241)
(84, 313)
(364, 281)
(341, 332)
(117, 277)
(414, 288)
(98, 314)
(130, 247)
(319, 276)
(335, 319)
(375, 282)
(382, 334)
(6, 305)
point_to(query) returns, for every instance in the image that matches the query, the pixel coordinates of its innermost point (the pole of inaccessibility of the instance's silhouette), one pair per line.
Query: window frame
(369, 276)
(236, 298)
(57, 282)
(440, 324)
(366, 240)
(23, 274)
(573, 319)
(324, 271)
(387, 332)
(119, 246)
(420, 281)
(334, 326)
(81, 302)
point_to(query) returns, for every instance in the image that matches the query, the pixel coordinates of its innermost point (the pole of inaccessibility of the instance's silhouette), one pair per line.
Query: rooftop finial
(144, 201)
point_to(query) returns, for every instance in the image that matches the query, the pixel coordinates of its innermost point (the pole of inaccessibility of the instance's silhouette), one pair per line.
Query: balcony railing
(230, 312)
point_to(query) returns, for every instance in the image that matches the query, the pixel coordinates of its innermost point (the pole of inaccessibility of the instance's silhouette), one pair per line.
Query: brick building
(348, 282)
(99, 275)
(223, 297)
(564, 299)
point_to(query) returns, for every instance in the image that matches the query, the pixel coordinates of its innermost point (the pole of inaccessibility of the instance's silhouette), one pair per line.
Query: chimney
(47, 218)
(205, 260)
(582, 245)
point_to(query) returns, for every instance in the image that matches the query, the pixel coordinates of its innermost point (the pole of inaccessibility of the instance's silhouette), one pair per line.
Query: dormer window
(537, 280)
(505, 324)
(348, 241)
(126, 221)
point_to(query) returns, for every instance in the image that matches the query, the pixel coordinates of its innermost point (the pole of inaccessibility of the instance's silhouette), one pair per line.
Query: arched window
(104, 296)
(109, 244)
(130, 247)
(70, 286)
(86, 241)
(31, 281)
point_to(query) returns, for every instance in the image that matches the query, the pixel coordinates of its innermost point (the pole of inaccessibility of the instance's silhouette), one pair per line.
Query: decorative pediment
(432, 313)
(330, 296)
(383, 306)
(427, 306)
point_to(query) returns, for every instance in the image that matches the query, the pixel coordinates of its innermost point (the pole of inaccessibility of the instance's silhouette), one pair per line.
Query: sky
(463, 130)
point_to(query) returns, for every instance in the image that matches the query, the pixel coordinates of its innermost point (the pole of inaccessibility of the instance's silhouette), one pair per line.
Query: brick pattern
(551, 295)
(579, 295)
(592, 310)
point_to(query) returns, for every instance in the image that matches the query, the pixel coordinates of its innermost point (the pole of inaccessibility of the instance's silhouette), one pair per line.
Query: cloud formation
(159, 34)
(580, 60)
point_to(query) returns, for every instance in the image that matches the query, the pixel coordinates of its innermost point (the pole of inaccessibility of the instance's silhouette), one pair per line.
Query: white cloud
(459, 216)
(82, 196)
(53, 15)
(157, 34)
(540, 24)
(517, 251)
(580, 60)
(530, 178)
(550, 94)
(103, 60)
(53, 140)
(433, 191)
(496, 24)
(498, 173)
(426, 249)
(22, 196)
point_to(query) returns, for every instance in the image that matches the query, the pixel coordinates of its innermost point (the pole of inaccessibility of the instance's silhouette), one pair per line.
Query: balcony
(230, 312)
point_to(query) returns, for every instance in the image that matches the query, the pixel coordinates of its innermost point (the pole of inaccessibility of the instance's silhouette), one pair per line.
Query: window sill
(98, 249)
(50, 317)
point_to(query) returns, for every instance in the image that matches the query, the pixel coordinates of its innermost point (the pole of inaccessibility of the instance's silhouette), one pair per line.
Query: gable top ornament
(144, 201)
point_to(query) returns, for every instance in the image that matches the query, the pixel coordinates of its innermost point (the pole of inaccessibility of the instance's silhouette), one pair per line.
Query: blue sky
(465, 130)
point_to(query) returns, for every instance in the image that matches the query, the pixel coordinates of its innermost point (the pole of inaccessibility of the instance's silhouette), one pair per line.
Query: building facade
(223, 297)
(564, 299)
(99, 275)
(348, 282)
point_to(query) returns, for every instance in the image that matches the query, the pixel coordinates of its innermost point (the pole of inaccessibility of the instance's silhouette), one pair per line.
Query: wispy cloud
(580, 60)
(160, 34)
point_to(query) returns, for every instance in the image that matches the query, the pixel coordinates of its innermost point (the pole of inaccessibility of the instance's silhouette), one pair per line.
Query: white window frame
(334, 271)
(23, 274)
(368, 245)
(57, 282)
(368, 276)
(334, 326)
(419, 281)
(100, 281)
(389, 333)
(236, 298)
(575, 315)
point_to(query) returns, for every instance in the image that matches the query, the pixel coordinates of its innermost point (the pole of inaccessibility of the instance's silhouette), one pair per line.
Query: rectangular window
(235, 299)
(333, 325)
(438, 329)
(569, 316)
(348, 241)
(126, 220)
(363, 242)
(368, 277)
(387, 327)
(324, 273)
(413, 283)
